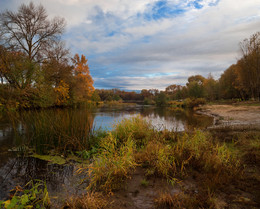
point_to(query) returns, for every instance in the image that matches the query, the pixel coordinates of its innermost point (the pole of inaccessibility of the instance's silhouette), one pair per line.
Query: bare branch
(29, 30)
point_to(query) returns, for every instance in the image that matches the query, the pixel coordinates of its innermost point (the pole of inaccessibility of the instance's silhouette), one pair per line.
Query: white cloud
(121, 41)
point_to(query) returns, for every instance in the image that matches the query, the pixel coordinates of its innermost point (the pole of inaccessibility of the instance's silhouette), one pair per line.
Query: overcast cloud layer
(136, 44)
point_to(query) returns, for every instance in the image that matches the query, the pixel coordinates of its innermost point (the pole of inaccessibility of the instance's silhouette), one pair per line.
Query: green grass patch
(51, 159)
(33, 195)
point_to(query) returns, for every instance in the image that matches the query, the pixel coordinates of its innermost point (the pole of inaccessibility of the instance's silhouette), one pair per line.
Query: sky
(145, 44)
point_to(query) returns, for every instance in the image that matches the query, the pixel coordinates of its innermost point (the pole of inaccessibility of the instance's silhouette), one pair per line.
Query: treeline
(241, 81)
(36, 69)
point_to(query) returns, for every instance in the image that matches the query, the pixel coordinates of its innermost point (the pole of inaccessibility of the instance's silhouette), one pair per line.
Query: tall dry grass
(112, 164)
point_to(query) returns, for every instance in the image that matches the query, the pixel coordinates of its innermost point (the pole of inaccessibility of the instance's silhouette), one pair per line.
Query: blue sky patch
(163, 9)
(197, 4)
(214, 3)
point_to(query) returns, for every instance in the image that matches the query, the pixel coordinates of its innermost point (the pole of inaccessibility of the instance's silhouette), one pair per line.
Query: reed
(60, 130)
(139, 129)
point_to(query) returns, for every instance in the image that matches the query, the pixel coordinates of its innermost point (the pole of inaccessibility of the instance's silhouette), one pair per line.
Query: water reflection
(172, 119)
(30, 126)
(19, 171)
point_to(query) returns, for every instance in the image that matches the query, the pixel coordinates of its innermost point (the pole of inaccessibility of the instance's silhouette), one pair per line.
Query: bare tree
(58, 52)
(29, 30)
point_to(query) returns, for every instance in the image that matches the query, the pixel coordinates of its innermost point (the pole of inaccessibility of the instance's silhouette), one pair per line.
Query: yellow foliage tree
(62, 93)
(83, 86)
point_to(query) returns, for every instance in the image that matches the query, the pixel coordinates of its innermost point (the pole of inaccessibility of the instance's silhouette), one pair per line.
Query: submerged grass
(58, 130)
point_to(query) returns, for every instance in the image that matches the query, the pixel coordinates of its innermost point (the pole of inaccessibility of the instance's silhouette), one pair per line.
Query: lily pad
(51, 159)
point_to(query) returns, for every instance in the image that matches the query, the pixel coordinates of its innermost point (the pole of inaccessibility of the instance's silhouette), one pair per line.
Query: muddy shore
(235, 116)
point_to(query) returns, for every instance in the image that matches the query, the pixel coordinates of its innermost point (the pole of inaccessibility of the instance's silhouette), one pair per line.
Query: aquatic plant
(33, 195)
(55, 129)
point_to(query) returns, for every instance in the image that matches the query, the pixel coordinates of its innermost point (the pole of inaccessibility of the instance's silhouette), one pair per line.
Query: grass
(139, 129)
(162, 153)
(33, 195)
(187, 153)
(187, 103)
(111, 165)
(144, 183)
(184, 200)
(165, 154)
(92, 200)
(117, 103)
(54, 129)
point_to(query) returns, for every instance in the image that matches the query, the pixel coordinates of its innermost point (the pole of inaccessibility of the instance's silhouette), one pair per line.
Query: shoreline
(240, 117)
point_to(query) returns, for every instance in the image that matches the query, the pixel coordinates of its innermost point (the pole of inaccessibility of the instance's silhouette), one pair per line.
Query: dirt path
(231, 115)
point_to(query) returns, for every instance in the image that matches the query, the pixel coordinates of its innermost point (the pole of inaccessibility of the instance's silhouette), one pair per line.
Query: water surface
(61, 179)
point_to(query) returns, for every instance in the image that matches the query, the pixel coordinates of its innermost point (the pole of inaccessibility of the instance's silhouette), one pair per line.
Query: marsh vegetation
(188, 169)
(57, 151)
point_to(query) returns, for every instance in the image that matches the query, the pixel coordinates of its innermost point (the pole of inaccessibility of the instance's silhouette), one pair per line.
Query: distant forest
(240, 81)
(37, 70)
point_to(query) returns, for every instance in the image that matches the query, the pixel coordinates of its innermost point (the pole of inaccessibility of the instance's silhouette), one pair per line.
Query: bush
(191, 103)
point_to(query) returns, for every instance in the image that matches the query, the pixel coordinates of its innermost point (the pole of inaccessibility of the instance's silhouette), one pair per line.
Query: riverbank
(241, 116)
(136, 165)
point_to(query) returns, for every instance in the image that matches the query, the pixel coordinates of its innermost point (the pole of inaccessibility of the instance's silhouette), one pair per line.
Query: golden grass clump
(92, 200)
(181, 200)
(159, 159)
(111, 166)
(188, 153)
(138, 128)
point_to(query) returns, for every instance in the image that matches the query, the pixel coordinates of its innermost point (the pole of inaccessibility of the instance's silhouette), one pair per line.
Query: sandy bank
(233, 116)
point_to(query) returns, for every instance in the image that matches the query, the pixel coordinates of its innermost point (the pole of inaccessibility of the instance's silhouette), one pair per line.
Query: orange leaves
(62, 92)
(83, 80)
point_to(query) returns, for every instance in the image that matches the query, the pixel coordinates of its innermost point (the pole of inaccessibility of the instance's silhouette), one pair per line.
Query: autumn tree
(83, 83)
(14, 67)
(249, 71)
(196, 78)
(146, 94)
(174, 91)
(228, 87)
(211, 88)
(161, 99)
(30, 32)
(195, 86)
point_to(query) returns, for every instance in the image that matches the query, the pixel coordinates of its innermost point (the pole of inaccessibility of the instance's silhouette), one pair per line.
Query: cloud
(131, 44)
